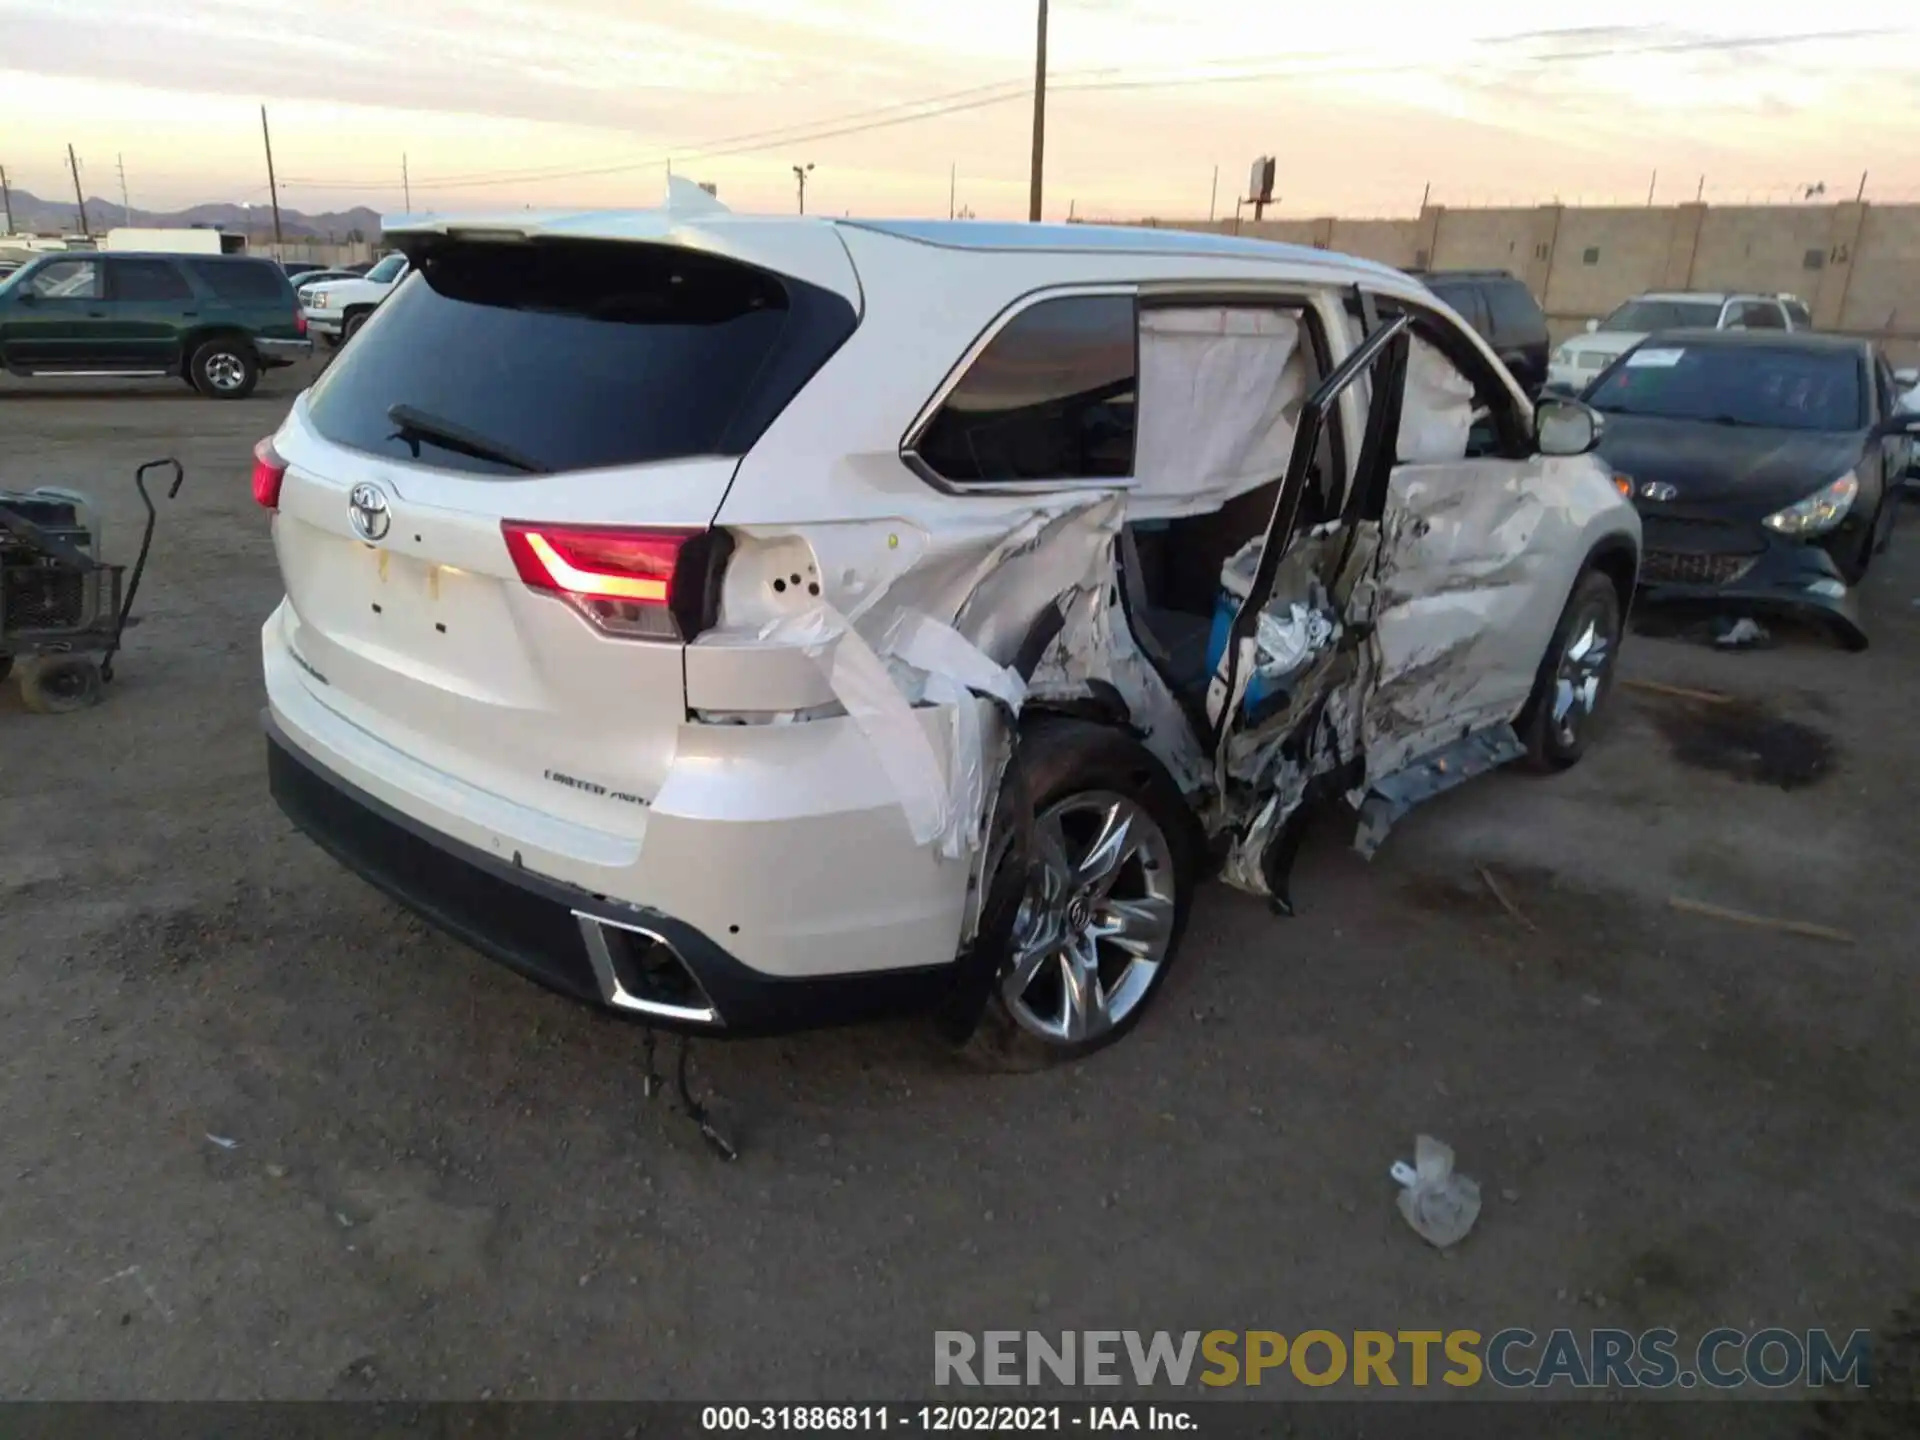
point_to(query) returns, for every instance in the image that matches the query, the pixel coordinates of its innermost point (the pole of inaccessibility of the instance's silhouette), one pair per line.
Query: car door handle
(96, 314)
(189, 314)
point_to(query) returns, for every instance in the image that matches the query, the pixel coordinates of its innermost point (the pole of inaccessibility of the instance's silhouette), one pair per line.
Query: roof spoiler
(684, 199)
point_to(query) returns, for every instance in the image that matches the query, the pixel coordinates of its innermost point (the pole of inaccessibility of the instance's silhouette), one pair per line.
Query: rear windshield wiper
(418, 425)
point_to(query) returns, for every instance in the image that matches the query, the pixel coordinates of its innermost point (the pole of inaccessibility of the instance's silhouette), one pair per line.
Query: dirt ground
(448, 1183)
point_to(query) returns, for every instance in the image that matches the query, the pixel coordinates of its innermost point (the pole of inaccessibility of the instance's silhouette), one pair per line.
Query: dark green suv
(215, 320)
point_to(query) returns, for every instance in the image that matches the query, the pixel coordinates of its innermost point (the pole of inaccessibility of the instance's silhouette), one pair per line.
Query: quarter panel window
(1051, 397)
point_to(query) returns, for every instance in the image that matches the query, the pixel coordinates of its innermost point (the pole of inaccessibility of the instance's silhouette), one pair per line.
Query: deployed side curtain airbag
(1220, 393)
(1437, 412)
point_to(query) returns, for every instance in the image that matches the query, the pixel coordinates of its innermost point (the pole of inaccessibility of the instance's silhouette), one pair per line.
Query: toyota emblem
(1657, 490)
(367, 508)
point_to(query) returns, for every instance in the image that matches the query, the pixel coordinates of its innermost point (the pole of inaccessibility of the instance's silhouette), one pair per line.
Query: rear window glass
(242, 279)
(1515, 315)
(1050, 398)
(1664, 315)
(1737, 385)
(136, 280)
(1465, 300)
(574, 355)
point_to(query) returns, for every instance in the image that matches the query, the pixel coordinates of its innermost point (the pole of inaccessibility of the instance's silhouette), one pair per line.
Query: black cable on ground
(697, 1112)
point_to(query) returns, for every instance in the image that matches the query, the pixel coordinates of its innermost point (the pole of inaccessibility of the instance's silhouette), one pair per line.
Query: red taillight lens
(299, 321)
(621, 580)
(268, 471)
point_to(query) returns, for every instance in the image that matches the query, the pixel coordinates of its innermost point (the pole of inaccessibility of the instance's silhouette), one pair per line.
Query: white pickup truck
(337, 308)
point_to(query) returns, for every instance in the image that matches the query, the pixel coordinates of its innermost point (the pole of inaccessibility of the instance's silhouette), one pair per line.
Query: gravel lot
(448, 1183)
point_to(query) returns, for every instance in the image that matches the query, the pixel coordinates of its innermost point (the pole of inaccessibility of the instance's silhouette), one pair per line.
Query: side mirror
(1592, 325)
(1562, 426)
(1907, 378)
(1901, 422)
(26, 297)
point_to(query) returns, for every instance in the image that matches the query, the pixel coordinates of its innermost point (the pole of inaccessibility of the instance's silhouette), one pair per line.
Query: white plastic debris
(1742, 632)
(222, 1141)
(1284, 642)
(1440, 1205)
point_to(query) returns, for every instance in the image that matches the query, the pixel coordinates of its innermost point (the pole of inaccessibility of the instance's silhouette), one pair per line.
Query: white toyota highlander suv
(755, 623)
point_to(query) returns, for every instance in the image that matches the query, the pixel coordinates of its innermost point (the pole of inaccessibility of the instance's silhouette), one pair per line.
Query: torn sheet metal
(923, 626)
(1096, 646)
(1219, 400)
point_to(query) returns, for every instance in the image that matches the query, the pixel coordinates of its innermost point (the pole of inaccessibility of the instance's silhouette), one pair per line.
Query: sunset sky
(562, 102)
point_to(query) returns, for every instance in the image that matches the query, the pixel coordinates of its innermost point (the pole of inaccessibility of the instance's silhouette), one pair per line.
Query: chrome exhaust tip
(641, 973)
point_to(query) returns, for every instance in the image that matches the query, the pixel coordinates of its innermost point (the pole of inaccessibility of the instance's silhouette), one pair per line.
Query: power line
(1088, 81)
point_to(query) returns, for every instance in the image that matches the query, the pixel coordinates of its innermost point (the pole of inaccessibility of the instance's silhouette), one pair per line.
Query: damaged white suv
(749, 624)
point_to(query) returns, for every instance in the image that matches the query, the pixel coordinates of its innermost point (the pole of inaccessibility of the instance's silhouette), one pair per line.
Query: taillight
(268, 471)
(299, 321)
(622, 580)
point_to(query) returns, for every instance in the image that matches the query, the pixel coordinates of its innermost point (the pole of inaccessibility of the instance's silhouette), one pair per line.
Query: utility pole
(1700, 190)
(126, 210)
(1034, 178)
(953, 179)
(406, 183)
(6, 198)
(273, 186)
(800, 175)
(1213, 199)
(1861, 193)
(79, 202)
(1650, 184)
(1426, 192)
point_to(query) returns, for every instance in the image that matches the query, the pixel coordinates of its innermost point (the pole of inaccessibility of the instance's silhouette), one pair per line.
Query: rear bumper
(622, 957)
(282, 352)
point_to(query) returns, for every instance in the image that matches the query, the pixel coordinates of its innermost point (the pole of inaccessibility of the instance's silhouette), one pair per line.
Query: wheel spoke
(1140, 926)
(1084, 1007)
(1028, 959)
(1054, 869)
(1562, 699)
(1110, 849)
(1578, 649)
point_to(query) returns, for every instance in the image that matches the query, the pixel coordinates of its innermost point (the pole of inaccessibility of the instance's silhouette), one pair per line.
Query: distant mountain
(30, 212)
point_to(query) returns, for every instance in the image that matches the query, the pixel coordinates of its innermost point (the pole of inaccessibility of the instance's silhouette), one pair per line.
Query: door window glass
(67, 280)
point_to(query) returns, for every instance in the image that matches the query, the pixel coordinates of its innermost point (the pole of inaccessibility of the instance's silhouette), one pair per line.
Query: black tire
(1854, 562)
(224, 368)
(6, 666)
(59, 684)
(354, 322)
(332, 341)
(1063, 763)
(1556, 742)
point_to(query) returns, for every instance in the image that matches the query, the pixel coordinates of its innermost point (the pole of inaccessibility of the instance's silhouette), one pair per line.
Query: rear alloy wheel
(225, 369)
(1097, 921)
(1574, 677)
(1108, 874)
(352, 327)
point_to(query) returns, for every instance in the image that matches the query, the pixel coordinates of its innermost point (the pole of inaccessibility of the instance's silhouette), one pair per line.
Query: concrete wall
(320, 252)
(1856, 266)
